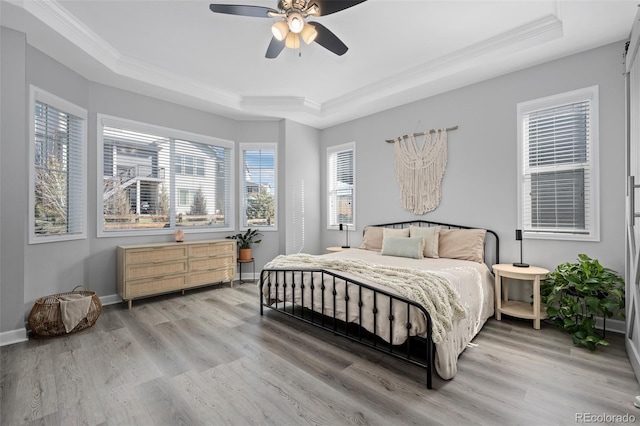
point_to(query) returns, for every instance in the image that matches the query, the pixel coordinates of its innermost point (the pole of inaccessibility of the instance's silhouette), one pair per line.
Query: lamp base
(521, 265)
(346, 247)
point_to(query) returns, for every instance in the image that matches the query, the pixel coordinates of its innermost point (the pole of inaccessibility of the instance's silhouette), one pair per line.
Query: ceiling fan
(293, 24)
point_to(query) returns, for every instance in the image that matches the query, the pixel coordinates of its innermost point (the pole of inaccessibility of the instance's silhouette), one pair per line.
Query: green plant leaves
(248, 239)
(575, 293)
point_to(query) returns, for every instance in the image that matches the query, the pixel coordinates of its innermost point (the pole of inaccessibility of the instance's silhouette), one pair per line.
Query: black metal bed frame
(341, 328)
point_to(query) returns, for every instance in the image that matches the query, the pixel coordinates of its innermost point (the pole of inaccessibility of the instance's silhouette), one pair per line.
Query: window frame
(36, 95)
(113, 121)
(350, 146)
(242, 188)
(592, 210)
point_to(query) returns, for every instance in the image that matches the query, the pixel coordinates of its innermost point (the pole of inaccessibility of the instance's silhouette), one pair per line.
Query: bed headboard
(491, 244)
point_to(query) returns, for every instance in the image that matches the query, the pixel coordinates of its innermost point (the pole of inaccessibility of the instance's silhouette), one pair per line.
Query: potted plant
(575, 293)
(245, 242)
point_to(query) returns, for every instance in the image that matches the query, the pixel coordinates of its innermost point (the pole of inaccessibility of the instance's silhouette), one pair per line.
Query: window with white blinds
(258, 186)
(558, 172)
(57, 178)
(341, 172)
(155, 178)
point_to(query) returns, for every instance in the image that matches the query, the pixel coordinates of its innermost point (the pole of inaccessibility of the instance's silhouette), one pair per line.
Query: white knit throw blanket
(420, 170)
(428, 288)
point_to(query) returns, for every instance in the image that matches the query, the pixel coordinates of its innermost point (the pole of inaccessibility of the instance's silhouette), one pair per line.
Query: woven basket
(45, 319)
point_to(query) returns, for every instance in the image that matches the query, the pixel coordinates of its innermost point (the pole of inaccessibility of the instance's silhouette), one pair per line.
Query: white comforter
(472, 281)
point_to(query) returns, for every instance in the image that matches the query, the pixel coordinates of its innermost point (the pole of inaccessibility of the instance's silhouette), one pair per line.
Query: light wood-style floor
(208, 358)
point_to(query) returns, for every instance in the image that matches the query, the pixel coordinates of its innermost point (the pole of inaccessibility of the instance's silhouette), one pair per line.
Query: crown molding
(54, 15)
(374, 97)
(523, 37)
(61, 21)
(281, 103)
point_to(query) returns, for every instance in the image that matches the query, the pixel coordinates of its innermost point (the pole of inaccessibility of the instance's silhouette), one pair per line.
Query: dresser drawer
(135, 272)
(210, 277)
(208, 250)
(156, 254)
(208, 263)
(147, 287)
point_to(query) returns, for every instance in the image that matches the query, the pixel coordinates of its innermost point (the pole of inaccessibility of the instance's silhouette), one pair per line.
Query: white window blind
(58, 169)
(153, 180)
(341, 185)
(259, 183)
(559, 173)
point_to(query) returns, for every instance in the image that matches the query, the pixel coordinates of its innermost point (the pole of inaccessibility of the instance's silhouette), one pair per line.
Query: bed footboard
(355, 310)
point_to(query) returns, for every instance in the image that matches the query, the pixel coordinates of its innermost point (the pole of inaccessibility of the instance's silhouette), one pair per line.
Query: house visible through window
(153, 178)
(259, 182)
(191, 166)
(58, 169)
(558, 141)
(341, 185)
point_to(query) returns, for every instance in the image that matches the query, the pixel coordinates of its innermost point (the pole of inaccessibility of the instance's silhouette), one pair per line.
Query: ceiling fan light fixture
(295, 21)
(308, 33)
(292, 41)
(280, 30)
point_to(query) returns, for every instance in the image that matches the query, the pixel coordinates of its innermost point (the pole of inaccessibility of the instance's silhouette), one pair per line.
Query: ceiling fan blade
(329, 40)
(237, 9)
(327, 7)
(274, 49)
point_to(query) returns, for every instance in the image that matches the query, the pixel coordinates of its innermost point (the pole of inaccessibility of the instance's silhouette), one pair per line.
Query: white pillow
(395, 232)
(430, 235)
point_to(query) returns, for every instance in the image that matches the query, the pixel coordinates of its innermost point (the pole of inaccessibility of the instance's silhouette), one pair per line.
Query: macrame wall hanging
(420, 169)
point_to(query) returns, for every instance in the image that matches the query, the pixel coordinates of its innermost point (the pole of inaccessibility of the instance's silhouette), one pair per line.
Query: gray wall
(480, 182)
(301, 186)
(13, 178)
(32, 271)
(479, 187)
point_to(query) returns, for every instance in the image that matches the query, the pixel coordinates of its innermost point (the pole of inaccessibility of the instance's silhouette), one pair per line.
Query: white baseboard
(248, 276)
(13, 336)
(613, 325)
(111, 299)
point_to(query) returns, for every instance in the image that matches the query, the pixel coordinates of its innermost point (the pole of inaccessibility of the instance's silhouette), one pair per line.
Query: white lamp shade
(308, 33)
(295, 21)
(292, 41)
(280, 30)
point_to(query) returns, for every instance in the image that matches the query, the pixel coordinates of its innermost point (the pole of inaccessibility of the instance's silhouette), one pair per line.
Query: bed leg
(430, 352)
(261, 297)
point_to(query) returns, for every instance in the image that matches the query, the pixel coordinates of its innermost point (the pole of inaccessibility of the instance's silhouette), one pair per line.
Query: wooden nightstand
(516, 308)
(335, 249)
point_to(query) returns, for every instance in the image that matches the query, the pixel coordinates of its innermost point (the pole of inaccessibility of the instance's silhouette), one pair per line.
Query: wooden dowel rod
(448, 129)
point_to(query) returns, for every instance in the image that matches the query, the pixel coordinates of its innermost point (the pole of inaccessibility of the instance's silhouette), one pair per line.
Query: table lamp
(519, 238)
(346, 228)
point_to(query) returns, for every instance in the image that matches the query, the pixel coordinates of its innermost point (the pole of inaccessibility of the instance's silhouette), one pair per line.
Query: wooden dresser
(151, 269)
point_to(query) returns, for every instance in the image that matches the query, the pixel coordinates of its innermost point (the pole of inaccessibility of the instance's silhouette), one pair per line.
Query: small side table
(336, 249)
(516, 308)
(241, 262)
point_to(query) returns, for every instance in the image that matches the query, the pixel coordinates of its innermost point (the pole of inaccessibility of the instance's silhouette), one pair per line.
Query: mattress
(472, 281)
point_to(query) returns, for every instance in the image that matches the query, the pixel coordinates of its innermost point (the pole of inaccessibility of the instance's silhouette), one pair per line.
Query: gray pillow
(403, 247)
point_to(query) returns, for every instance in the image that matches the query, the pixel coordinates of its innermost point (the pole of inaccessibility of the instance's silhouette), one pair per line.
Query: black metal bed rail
(332, 299)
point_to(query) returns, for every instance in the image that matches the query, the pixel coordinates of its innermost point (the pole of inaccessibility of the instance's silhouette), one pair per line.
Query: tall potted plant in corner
(245, 242)
(576, 293)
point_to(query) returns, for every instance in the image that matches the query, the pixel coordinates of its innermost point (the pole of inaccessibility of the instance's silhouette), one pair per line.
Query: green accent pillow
(403, 247)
